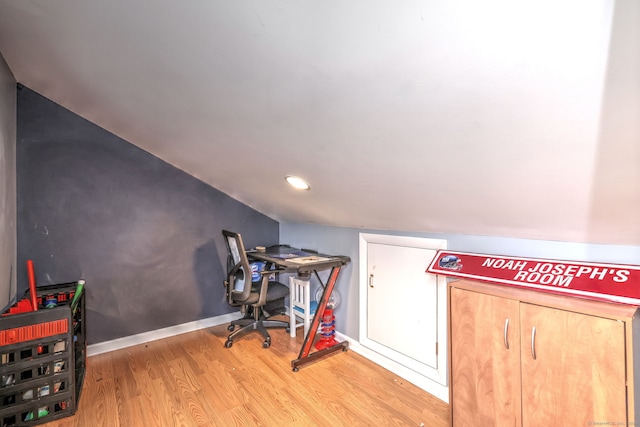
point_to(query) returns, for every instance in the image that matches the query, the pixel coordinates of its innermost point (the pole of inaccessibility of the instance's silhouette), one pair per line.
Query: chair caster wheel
(228, 343)
(296, 369)
(266, 344)
(287, 329)
(230, 328)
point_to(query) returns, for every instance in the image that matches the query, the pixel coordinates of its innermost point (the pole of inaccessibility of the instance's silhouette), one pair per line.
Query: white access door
(404, 305)
(402, 301)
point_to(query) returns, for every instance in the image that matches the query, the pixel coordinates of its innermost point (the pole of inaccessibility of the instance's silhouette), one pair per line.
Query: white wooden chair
(300, 305)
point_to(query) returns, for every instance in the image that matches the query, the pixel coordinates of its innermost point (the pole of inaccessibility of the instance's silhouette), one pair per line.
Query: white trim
(120, 343)
(412, 242)
(438, 374)
(420, 381)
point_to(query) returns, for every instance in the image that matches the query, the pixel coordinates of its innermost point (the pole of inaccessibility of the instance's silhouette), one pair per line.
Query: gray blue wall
(345, 241)
(144, 235)
(7, 185)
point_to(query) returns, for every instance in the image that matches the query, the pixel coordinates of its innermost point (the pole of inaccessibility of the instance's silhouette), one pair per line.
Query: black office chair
(250, 296)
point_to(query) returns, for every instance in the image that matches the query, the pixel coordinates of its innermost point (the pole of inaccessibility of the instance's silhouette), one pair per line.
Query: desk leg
(305, 355)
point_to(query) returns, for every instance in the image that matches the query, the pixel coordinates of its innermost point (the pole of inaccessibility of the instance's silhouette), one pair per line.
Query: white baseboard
(426, 384)
(119, 343)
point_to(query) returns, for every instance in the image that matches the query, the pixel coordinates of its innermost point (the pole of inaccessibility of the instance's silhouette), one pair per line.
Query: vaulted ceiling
(500, 118)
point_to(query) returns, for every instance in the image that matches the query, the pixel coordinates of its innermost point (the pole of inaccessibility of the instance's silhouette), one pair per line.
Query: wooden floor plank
(193, 380)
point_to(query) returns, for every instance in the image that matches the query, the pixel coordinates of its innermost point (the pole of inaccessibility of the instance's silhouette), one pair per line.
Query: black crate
(42, 359)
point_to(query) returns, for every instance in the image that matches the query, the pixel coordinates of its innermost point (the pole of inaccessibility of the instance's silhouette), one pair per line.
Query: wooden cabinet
(485, 357)
(525, 358)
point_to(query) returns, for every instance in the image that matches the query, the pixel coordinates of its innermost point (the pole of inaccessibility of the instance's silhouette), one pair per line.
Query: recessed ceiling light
(297, 182)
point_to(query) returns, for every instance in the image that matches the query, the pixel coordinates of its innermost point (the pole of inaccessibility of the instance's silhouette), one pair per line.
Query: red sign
(611, 282)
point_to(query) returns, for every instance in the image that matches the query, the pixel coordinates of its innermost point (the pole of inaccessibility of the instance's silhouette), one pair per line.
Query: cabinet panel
(485, 374)
(395, 274)
(578, 374)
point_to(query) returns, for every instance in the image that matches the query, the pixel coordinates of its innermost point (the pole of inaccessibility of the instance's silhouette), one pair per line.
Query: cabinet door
(573, 370)
(397, 280)
(485, 358)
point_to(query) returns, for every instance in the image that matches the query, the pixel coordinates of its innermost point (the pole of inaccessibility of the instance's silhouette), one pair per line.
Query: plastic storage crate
(42, 358)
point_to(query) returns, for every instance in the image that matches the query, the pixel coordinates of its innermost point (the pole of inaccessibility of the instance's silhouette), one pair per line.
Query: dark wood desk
(304, 263)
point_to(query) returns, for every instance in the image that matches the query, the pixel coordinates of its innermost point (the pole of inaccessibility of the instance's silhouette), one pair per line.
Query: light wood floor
(192, 380)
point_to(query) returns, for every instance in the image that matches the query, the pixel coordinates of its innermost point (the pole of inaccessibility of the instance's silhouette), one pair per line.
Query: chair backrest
(238, 281)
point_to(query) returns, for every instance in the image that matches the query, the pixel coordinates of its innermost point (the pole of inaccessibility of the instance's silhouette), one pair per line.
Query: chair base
(249, 323)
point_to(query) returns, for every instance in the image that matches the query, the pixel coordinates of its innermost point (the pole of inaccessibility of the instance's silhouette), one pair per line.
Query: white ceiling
(498, 117)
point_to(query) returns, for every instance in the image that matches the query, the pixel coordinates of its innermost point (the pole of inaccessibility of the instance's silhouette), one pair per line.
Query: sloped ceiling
(500, 118)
